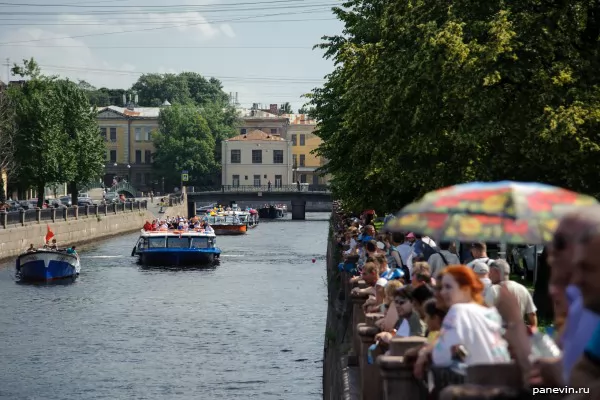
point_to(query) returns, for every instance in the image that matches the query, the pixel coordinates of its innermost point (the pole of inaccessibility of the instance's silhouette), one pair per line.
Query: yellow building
(128, 136)
(304, 141)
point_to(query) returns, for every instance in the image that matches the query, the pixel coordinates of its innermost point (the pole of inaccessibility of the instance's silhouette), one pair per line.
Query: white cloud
(69, 58)
(227, 30)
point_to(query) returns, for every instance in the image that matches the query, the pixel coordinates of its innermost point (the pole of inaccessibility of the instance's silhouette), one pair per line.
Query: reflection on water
(250, 328)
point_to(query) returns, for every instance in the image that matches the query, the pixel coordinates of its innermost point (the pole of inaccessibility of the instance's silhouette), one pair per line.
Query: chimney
(124, 100)
(136, 99)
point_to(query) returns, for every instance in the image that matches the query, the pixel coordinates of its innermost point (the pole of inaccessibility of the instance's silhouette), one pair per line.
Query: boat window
(178, 243)
(142, 243)
(200, 243)
(156, 242)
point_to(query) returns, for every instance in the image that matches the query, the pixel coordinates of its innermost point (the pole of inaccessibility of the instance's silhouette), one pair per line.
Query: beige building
(304, 142)
(255, 119)
(127, 133)
(256, 158)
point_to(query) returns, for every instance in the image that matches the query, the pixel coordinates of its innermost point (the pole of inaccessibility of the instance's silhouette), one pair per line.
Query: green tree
(285, 108)
(184, 142)
(57, 137)
(40, 140)
(426, 94)
(7, 141)
(85, 145)
(184, 88)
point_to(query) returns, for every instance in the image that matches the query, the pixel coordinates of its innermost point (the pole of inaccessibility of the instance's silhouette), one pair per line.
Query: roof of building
(300, 119)
(256, 135)
(250, 113)
(139, 112)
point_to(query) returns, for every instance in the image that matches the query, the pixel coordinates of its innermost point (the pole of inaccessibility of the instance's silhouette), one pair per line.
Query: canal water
(250, 328)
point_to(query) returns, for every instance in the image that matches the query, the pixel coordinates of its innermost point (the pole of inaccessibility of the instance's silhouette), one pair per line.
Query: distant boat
(272, 211)
(47, 265)
(176, 248)
(224, 224)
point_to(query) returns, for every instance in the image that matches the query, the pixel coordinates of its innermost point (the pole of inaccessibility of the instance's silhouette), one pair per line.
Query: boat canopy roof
(177, 233)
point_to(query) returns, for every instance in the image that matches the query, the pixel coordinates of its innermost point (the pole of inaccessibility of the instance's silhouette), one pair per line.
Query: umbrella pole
(502, 252)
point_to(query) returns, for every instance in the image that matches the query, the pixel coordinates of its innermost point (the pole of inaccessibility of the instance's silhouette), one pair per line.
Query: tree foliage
(184, 142)
(426, 94)
(57, 138)
(183, 88)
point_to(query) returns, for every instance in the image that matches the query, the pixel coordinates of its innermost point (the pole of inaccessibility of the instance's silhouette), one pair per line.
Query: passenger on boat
(72, 250)
(208, 228)
(31, 249)
(148, 226)
(54, 246)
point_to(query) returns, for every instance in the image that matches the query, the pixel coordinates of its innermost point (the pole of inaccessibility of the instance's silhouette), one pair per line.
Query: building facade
(127, 133)
(304, 162)
(254, 119)
(256, 158)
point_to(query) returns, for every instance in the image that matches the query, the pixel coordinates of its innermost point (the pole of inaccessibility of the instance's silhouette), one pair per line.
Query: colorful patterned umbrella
(502, 212)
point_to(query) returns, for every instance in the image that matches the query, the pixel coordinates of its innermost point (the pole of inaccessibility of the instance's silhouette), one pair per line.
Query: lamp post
(129, 173)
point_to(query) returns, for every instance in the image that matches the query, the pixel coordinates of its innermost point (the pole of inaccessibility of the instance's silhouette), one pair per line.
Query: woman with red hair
(470, 324)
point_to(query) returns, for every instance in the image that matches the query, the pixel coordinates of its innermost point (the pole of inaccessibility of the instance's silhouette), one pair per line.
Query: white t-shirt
(519, 291)
(403, 329)
(484, 260)
(478, 329)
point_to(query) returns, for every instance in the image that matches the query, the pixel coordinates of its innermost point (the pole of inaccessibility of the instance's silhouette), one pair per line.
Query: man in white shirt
(479, 253)
(483, 271)
(500, 276)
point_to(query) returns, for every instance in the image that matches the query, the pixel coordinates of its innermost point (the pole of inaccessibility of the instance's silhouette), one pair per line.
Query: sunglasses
(400, 301)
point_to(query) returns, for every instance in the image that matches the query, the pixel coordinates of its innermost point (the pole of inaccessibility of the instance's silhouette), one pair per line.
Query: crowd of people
(178, 223)
(470, 311)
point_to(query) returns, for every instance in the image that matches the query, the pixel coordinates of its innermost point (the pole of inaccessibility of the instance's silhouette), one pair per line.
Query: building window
(302, 160)
(113, 135)
(278, 180)
(302, 178)
(138, 156)
(295, 160)
(256, 180)
(256, 156)
(113, 156)
(315, 179)
(243, 131)
(277, 156)
(148, 134)
(246, 177)
(138, 134)
(273, 131)
(148, 157)
(236, 156)
(235, 180)
(302, 140)
(103, 134)
(294, 140)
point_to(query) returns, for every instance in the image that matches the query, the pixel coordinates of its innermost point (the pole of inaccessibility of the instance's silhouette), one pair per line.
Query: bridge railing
(261, 188)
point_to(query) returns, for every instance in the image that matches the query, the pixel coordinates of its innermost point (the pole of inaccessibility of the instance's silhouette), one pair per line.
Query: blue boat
(47, 265)
(176, 248)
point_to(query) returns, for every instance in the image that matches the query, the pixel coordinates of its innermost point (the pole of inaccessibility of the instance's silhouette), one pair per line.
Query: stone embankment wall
(339, 378)
(15, 239)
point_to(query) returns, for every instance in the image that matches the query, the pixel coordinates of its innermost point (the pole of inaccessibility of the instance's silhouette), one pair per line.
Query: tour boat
(272, 211)
(176, 248)
(47, 265)
(227, 224)
(252, 219)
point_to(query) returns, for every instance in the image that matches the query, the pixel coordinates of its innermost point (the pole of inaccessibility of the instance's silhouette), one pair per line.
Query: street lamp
(129, 173)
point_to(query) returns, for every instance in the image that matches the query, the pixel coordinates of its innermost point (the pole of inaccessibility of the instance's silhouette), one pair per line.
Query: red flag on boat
(49, 234)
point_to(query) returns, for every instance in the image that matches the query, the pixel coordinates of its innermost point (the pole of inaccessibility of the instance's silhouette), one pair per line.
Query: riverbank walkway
(419, 337)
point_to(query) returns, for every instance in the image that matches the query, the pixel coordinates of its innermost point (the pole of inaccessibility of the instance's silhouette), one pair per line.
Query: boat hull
(230, 229)
(178, 257)
(44, 266)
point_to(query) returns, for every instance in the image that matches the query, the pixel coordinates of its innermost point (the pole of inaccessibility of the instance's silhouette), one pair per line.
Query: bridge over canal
(298, 196)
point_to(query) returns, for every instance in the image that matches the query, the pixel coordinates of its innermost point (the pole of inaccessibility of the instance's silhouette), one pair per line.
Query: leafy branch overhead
(427, 94)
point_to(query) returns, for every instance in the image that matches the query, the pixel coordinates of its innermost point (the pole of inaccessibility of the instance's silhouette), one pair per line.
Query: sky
(261, 50)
